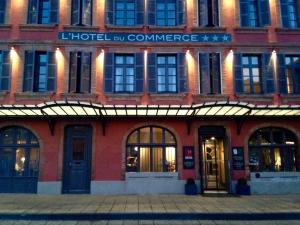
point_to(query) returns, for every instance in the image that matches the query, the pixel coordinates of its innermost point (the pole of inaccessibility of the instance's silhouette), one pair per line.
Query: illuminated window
(43, 12)
(273, 149)
(254, 13)
(2, 11)
(19, 158)
(292, 72)
(251, 74)
(5, 71)
(80, 72)
(290, 13)
(39, 71)
(151, 149)
(166, 73)
(81, 12)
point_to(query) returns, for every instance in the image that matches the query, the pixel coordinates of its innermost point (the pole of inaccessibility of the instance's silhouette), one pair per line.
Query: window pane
(21, 136)
(171, 159)
(119, 60)
(132, 159)
(34, 162)
(157, 135)
(266, 160)
(144, 159)
(145, 135)
(78, 145)
(133, 138)
(20, 162)
(7, 137)
(171, 60)
(169, 138)
(254, 160)
(6, 162)
(161, 60)
(157, 160)
(278, 159)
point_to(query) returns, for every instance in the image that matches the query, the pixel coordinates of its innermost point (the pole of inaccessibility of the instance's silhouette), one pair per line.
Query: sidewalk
(148, 209)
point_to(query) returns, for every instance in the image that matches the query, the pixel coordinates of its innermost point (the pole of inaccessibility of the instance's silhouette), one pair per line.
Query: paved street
(132, 209)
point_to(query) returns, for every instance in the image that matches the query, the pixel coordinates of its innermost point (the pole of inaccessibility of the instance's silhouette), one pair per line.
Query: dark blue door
(77, 160)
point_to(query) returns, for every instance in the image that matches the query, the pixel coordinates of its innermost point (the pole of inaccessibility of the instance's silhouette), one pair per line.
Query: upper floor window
(166, 12)
(39, 71)
(254, 13)
(81, 12)
(125, 12)
(289, 74)
(290, 13)
(254, 74)
(210, 74)
(5, 71)
(273, 149)
(124, 73)
(167, 73)
(80, 72)
(2, 11)
(208, 13)
(43, 12)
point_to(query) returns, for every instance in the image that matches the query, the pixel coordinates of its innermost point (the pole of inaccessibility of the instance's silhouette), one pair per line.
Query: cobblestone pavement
(83, 204)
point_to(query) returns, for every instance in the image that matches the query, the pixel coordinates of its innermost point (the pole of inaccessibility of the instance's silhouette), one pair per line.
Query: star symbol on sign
(215, 38)
(205, 38)
(225, 38)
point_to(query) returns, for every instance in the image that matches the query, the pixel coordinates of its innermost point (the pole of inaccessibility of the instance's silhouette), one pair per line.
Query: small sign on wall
(238, 162)
(188, 157)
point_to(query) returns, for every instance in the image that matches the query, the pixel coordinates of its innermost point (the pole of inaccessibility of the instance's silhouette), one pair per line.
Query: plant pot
(243, 189)
(190, 189)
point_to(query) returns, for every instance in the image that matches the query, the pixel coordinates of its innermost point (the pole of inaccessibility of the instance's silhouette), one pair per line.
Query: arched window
(19, 160)
(272, 149)
(151, 149)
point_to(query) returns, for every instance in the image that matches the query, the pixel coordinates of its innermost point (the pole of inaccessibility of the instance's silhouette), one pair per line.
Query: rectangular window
(5, 71)
(208, 12)
(81, 12)
(125, 12)
(2, 11)
(210, 73)
(43, 12)
(251, 72)
(166, 73)
(39, 71)
(80, 72)
(124, 73)
(254, 13)
(290, 13)
(292, 71)
(166, 13)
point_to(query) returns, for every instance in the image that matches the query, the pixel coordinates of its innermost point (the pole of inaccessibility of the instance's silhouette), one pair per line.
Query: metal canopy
(67, 109)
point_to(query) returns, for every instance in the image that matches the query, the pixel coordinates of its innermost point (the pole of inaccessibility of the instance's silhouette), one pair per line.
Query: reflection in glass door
(213, 164)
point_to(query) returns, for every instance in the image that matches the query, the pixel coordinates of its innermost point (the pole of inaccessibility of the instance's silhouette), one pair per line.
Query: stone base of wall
(49, 188)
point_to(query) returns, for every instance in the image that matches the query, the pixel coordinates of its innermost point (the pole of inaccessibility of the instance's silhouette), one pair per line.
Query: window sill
(285, 30)
(210, 29)
(290, 97)
(80, 28)
(251, 30)
(151, 175)
(79, 96)
(5, 26)
(254, 98)
(168, 96)
(124, 28)
(167, 28)
(209, 98)
(37, 27)
(3, 94)
(34, 95)
(119, 96)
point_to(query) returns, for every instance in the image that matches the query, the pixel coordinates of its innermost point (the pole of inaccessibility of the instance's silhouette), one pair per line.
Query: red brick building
(136, 96)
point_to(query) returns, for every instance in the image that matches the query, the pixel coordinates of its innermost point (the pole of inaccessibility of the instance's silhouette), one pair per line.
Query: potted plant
(190, 187)
(242, 187)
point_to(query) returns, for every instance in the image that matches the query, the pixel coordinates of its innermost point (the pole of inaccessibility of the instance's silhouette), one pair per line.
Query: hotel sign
(140, 37)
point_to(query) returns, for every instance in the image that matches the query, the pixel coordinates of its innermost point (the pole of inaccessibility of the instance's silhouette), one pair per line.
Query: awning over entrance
(88, 109)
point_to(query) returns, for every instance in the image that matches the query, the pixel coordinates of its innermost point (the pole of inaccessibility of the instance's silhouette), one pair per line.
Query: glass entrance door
(213, 164)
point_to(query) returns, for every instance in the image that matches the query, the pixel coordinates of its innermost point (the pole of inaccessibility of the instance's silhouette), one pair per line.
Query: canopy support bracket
(51, 124)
